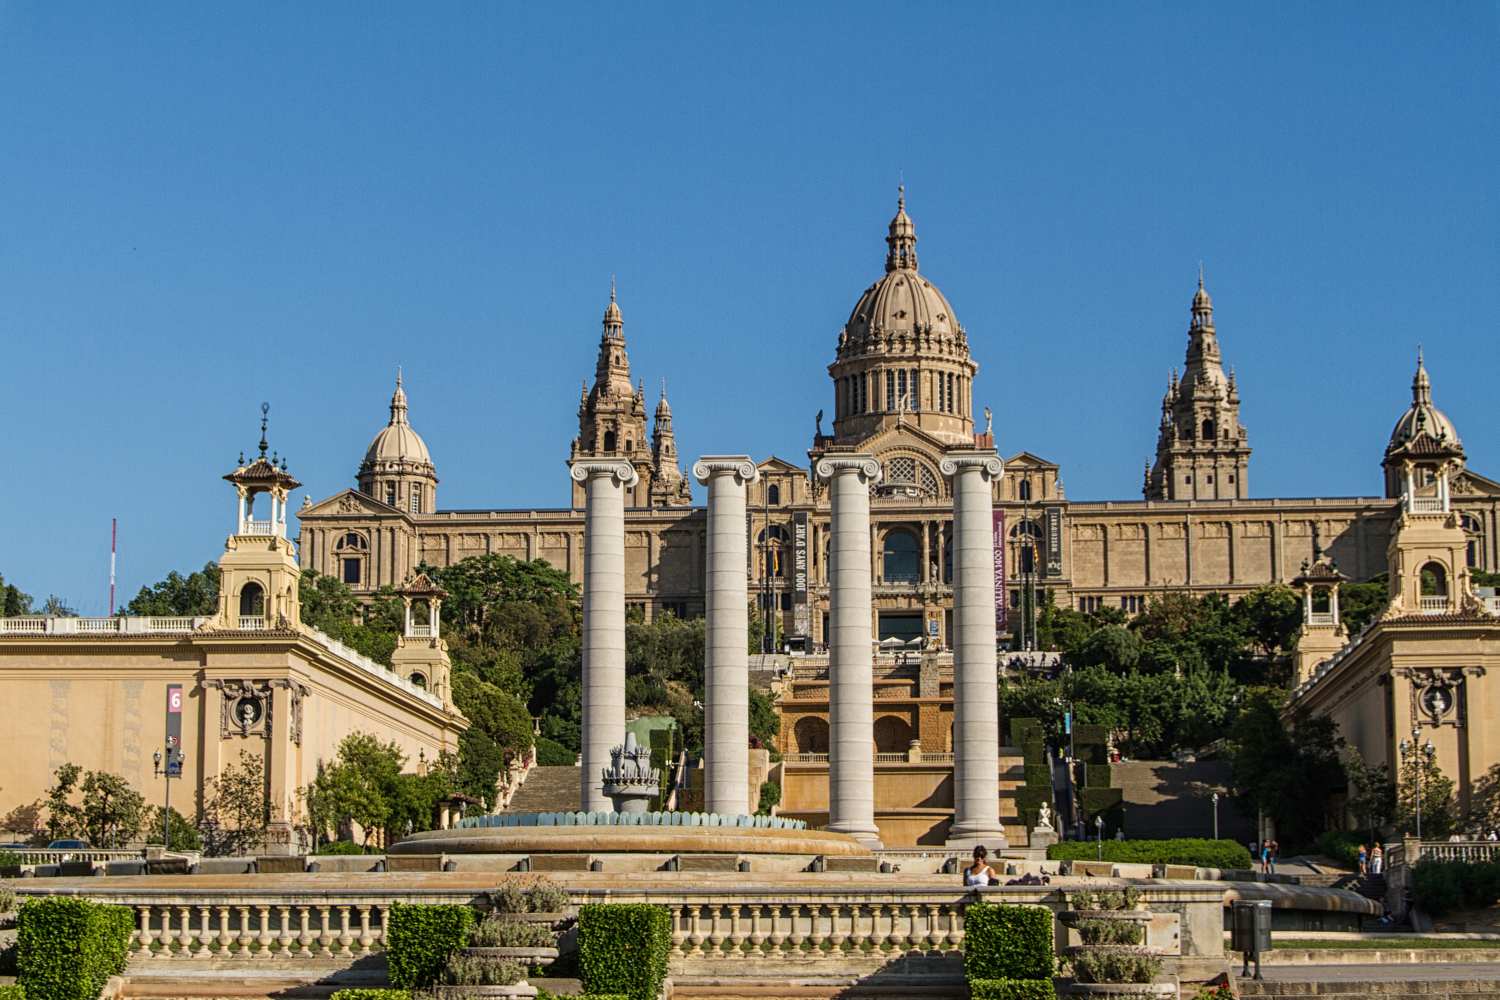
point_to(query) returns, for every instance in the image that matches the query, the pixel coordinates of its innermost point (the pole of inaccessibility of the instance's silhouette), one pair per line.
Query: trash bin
(1250, 930)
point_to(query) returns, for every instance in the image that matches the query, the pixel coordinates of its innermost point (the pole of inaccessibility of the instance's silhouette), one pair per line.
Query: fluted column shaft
(605, 484)
(976, 694)
(851, 709)
(726, 658)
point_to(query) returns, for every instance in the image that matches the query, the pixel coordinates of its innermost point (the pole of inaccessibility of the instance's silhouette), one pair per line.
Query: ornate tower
(397, 469)
(1423, 441)
(1323, 633)
(612, 415)
(669, 487)
(421, 655)
(903, 357)
(1202, 450)
(258, 572)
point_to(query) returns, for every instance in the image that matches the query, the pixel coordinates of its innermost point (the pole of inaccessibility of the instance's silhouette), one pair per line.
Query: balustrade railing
(26, 626)
(252, 623)
(756, 929)
(1320, 618)
(142, 625)
(1433, 605)
(257, 528)
(1426, 505)
(1472, 851)
(272, 928)
(45, 856)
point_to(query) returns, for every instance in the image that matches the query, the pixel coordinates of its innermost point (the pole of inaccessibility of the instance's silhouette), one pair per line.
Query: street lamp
(1419, 759)
(1216, 815)
(1099, 834)
(168, 769)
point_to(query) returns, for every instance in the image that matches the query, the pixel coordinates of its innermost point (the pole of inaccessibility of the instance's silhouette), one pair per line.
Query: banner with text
(801, 612)
(999, 543)
(1054, 541)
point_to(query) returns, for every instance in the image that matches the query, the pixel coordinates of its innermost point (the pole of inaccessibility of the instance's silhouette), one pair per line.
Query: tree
(1359, 603)
(56, 607)
(194, 595)
(1484, 808)
(1372, 793)
(185, 836)
(113, 812)
(328, 605)
(1271, 616)
(13, 601)
(24, 820)
(765, 725)
(1439, 810)
(364, 786)
(64, 819)
(1286, 769)
(237, 809)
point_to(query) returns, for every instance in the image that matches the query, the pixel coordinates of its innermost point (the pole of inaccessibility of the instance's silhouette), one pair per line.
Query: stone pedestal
(726, 666)
(851, 709)
(604, 483)
(976, 697)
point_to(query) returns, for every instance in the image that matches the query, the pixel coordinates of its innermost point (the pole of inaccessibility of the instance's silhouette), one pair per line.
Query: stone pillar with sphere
(851, 708)
(976, 695)
(604, 483)
(726, 668)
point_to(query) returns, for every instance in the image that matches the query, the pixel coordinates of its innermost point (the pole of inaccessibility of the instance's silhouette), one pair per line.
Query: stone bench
(414, 863)
(276, 864)
(560, 862)
(705, 863)
(824, 863)
(1092, 869)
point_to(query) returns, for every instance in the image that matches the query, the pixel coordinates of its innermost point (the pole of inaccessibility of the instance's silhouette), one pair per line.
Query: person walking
(1275, 851)
(1377, 860)
(1265, 857)
(1364, 860)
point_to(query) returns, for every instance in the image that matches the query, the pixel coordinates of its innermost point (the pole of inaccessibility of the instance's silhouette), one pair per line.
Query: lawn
(1382, 944)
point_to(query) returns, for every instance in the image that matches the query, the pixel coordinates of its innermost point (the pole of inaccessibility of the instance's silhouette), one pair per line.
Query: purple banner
(998, 541)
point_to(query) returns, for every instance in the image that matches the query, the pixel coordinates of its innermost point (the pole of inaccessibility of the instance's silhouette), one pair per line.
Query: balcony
(257, 528)
(1320, 618)
(1426, 505)
(252, 623)
(422, 632)
(1433, 605)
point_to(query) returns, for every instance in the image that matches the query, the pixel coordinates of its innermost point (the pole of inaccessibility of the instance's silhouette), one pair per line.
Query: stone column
(726, 658)
(851, 709)
(604, 484)
(976, 695)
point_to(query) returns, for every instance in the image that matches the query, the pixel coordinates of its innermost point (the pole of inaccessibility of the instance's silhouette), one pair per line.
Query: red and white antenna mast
(114, 525)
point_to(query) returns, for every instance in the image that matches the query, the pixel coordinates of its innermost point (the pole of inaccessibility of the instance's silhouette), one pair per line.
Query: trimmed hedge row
(1202, 852)
(13, 992)
(419, 940)
(66, 948)
(1012, 989)
(623, 949)
(371, 994)
(1440, 886)
(1007, 942)
(1105, 802)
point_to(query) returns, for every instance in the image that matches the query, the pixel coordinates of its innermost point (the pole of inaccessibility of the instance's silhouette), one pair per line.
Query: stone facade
(903, 393)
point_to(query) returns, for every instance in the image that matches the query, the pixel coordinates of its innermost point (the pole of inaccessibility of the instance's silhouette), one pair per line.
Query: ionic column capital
(588, 468)
(987, 462)
(863, 466)
(739, 466)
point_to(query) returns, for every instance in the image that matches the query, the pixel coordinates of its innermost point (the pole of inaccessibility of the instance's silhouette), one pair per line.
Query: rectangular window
(351, 571)
(864, 382)
(416, 498)
(902, 402)
(390, 494)
(890, 391)
(916, 391)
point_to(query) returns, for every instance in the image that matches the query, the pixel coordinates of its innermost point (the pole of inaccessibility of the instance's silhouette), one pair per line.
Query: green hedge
(1038, 776)
(1340, 846)
(13, 992)
(68, 948)
(623, 947)
(1029, 801)
(1007, 942)
(1201, 852)
(550, 753)
(1012, 989)
(1090, 736)
(1024, 730)
(371, 995)
(1441, 886)
(1096, 776)
(1104, 802)
(1034, 753)
(340, 847)
(420, 938)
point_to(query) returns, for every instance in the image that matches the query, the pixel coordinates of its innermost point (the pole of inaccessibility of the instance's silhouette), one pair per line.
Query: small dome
(902, 301)
(1422, 418)
(397, 442)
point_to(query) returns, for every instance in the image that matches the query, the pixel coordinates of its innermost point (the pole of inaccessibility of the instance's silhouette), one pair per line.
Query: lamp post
(1216, 815)
(168, 768)
(1099, 835)
(1419, 758)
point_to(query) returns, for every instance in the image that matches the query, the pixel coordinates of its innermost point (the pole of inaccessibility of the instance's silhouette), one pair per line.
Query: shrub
(1111, 932)
(1105, 899)
(497, 932)
(421, 938)
(1012, 989)
(1096, 776)
(770, 798)
(7, 901)
(547, 897)
(9, 959)
(341, 847)
(1024, 731)
(1007, 942)
(68, 948)
(1441, 886)
(1034, 754)
(10, 859)
(1111, 966)
(622, 948)
(1038, 776)
(1340, 846)
(1103, 802)
(474, 970)
(1029, 801)
(1202, 852)
(370, 994)
(550, 753)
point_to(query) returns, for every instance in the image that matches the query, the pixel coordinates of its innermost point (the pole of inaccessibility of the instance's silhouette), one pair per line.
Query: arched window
(811, 735)
(901, 557)
(1026, 546)
(252, 601)
(1474, 550)
(1208, 430)
(1025, 489)
(1434, 580)
(416, 498)
(1322, 600)
(609, 441)
(892, 735)
(419, 680)
(772, 544)
(351, 550)
(773, 495)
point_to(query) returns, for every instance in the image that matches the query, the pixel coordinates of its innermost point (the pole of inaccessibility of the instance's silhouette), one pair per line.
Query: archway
(892, 734)
(1434, 580)
(811, 735)
(252, 601)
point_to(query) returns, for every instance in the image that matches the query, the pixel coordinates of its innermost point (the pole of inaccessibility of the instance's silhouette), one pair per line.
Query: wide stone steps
(547, 789)
(1477, 986)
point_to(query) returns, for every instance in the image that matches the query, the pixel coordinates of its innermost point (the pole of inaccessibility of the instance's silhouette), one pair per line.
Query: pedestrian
(1275, 851)
(1377, 860)
(1265, 857)
(1364, 860)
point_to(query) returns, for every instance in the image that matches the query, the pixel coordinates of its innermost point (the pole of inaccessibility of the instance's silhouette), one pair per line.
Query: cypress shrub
(68, 948)
(420, 938)
(1007, 942)
(623, 948)
(1012, 989)
(1096, 776)
(1103, 802)
(1038, 776)
(1024, 731)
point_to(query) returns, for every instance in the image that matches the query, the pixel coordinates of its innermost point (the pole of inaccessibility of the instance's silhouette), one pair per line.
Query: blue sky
(202, 209)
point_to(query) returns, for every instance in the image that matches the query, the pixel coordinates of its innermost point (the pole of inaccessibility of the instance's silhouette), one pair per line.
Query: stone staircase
(1466, 983)
(1368, 886)
(547, 789)
(1170, 799)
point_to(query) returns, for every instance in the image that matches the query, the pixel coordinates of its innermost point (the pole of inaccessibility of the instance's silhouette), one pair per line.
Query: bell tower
(1323, 632)
(258, 572)
(612, 415)
(421, 655)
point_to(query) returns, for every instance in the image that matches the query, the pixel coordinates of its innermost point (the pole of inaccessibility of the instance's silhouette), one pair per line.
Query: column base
(993, 841)
(869, 836)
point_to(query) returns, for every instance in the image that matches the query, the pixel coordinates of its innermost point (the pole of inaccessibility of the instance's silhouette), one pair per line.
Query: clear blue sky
(200, 210)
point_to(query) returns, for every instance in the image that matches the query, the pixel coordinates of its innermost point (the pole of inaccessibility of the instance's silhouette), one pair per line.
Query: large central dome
(903, 357)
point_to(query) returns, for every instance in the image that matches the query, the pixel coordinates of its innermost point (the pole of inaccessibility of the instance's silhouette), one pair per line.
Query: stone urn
(1114, 960)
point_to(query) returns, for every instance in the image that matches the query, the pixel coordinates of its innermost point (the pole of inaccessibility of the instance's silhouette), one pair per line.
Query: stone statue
(989, 421)
(630, 781)
(818, 421)
(1044, 817)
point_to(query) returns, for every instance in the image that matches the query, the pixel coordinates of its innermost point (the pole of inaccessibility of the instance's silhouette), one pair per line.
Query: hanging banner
(1054, 541)
(174, 729)
(999, 544)
(801, 613)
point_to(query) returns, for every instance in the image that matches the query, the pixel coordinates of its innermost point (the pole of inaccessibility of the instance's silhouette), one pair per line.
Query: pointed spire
(398, 401)
(614, 323)
(901, 238)
(265, 410)
(1203, 306)
(663, 408)
(1421, 385)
